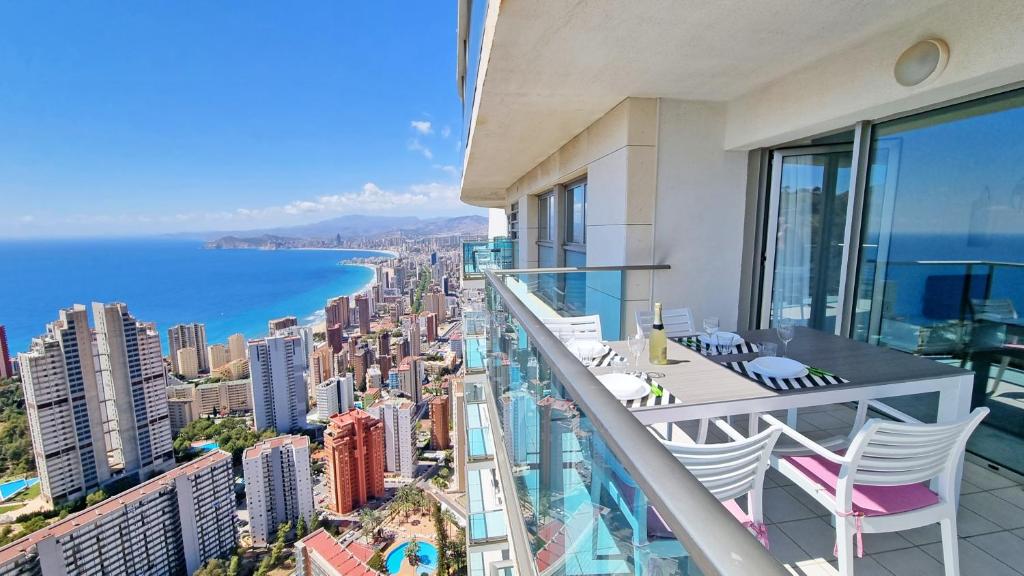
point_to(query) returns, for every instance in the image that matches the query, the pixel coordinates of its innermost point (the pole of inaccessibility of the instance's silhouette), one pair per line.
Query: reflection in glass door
(807, 228)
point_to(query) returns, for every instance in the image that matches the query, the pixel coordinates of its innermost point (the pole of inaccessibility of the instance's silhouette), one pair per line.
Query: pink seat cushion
(868, 500)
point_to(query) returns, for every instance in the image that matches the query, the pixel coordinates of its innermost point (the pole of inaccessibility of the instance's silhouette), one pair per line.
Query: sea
(171, 282)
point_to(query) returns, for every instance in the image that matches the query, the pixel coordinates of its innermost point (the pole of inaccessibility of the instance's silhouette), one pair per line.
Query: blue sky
(138, 117)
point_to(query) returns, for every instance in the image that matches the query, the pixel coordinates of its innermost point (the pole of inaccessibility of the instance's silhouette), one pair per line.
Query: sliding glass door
(809, 200)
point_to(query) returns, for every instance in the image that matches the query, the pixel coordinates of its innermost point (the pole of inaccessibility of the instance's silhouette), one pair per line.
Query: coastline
(387, 253)
(316, 321)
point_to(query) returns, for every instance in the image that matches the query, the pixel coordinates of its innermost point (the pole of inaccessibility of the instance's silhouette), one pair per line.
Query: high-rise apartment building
(179, 413)
(279, 393)
(132, 368)
(169, 525)
(188, 362)
(335, 337)
(63, 402)
(305, 335)
(321, 365)
(6, 370)
(373, 376)
(384, 351)
(278, 487)
(236, 347)
(440, 418)
(412, 326)
(337, 311)
(334, 396)
(355, 460)
(222, 398)
(281, 323)
(410, 378)
(188, 336)
(217, 355)
(398, 415)
(363, 311)
(430, 326)
(362, 359)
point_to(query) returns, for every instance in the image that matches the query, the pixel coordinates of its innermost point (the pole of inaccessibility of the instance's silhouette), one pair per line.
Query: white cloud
(422, 126)
(27, 218)
(448, 169)
(416, 146)
(446, 131)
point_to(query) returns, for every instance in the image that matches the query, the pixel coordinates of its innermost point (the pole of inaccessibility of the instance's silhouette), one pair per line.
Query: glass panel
(584, 513)
(545, 218)
(812, 196)
(941, 269)
(576, 214)
(474, 41)
(482, 255)
(586, 293)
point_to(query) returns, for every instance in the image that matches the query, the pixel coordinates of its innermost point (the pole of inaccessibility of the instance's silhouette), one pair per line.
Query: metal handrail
(717, 543)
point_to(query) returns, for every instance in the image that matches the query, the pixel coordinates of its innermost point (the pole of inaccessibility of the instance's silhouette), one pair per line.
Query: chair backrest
(886, 453)
(731, 469)
(678, 322)
(577, 327)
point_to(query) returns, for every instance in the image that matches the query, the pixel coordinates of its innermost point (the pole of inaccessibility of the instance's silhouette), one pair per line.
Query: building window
(576, 213)
(546, 217)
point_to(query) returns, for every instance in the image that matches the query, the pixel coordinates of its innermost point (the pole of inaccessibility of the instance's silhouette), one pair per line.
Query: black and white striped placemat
(809, 381)
(665, 399)
(693, 343)
(606, 358)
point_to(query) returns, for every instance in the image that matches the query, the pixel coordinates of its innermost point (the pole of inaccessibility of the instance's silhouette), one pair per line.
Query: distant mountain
(349, 227)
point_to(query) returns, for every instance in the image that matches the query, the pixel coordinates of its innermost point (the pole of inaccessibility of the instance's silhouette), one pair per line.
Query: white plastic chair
(880, 482)
(732, 469)
(575, 327)
(678, 322)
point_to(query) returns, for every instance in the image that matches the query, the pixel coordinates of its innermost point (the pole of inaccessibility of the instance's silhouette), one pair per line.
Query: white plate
(777, 367)
(592, 348)
(736, 338)
(625, 386)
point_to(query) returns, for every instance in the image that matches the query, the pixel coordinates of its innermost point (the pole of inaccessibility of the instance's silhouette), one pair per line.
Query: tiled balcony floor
(991, 520)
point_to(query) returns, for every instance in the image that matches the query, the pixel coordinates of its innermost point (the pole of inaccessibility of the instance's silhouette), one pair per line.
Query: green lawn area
(4, 508)
(29, 493)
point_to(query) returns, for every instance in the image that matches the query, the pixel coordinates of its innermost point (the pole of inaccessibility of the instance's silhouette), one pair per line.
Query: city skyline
(283, 115)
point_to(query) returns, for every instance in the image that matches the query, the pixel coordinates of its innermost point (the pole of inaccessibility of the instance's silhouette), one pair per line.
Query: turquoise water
(428, 558)
(206, 447)
(170, 282)
(8, 489)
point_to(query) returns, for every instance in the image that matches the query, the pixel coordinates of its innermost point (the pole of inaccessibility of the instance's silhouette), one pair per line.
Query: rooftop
(110, 505)
(295, 440)
(349, 559)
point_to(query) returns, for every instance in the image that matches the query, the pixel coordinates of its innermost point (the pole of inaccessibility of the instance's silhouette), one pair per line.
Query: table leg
(752, 425)
(791, 418)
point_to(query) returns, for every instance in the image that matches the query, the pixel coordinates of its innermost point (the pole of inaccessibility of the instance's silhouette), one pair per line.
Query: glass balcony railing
(494, 254)
(584, 499)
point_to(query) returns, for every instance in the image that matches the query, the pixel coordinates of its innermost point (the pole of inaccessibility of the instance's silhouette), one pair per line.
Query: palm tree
(369, 520)
(412, 553)
(449, 520)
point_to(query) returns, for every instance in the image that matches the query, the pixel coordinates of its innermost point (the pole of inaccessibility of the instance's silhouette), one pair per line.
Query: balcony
(479, 256)
(593, 491)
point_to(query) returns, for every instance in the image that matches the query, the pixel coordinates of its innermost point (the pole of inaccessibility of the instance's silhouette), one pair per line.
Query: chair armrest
(831, 443)
(806, 442)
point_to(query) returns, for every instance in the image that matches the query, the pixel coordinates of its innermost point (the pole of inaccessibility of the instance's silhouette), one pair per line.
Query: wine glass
(784, 328)
(710, 329)
(636, 346)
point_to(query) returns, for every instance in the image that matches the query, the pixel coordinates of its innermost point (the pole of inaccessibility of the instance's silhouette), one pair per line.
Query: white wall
(699, 211)
(986, 43)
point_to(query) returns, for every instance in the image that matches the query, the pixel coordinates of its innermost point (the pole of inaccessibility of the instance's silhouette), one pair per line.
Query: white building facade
(278, 486)
(279, 393)
(398, 415)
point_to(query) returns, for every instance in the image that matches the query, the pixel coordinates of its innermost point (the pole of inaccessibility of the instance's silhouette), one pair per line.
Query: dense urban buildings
(223, 398)
(279, 393)
(6, 369)
(398, 416)
(167, 526)
(188, 336)
(354, 442)
(337, 312)
(410, 378)
(278, 486)
(334, 396)
(187, 362)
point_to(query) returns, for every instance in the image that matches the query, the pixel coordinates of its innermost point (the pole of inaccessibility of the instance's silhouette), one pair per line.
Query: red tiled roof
(350, 560)
(296, 440)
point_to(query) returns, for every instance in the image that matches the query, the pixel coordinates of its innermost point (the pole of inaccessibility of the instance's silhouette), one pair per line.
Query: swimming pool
(428, 558)
(9, 489)
(206, 446)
